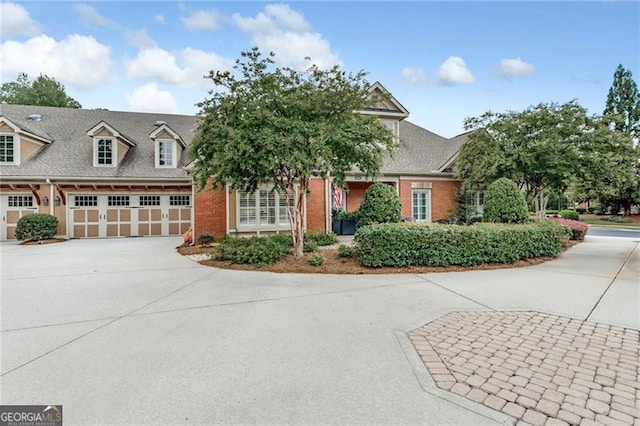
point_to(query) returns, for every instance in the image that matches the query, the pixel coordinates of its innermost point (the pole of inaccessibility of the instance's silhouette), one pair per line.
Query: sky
(444, 61)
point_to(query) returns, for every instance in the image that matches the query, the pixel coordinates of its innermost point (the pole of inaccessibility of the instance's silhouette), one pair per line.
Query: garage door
(13, 207)
(125, 215)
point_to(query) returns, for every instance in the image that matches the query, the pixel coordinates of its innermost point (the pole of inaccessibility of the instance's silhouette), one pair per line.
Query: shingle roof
(71, 153)
(421, 151)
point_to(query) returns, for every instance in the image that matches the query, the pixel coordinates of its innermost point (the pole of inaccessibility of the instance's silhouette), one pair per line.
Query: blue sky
(443, 61)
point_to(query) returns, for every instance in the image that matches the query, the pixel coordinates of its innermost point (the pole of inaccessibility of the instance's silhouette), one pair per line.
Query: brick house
(117, 174)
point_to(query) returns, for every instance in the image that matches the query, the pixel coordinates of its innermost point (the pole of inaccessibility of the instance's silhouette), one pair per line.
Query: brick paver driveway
(543, 369)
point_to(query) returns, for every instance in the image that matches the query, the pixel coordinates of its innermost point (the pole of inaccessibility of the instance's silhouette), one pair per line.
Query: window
(421, 205)
(180, 200)
(165, 153)
(85, 201)
(475, 200)
(391, 124)
(7, 149)
(104, 152)
(265, 208)
(118, 201)
(20, 201)
(149, 200)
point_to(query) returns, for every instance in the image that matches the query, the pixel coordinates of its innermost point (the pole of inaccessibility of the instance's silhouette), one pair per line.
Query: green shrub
(504, 203)
(618, 219)
(445, 245)
(569, 214)
(205, 239)
(581, 210)
(36, 227)
(255, 250)
(345, 251)
(551, 212)
(316, 259)
(578, 229)
(309, 245)
(321, 238)
(380, 204)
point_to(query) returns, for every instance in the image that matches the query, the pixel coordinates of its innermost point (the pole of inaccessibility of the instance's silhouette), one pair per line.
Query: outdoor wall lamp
(45, 201)
(56, 201)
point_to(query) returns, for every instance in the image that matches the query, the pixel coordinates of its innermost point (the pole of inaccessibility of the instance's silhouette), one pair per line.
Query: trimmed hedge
(504, 203)
(569, 214)
(380, 204)
(255, 250)
(578, 229)
(321, 238)
(618, 219)
(36, 227)
(409, 244)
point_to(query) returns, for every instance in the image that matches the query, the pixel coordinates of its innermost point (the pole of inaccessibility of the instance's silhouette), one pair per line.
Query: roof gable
(5, 122)
(384, 103)
(164, 128)
(102, 125)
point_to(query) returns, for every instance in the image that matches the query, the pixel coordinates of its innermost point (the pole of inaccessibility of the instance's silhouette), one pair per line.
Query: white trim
(428, 200)
(174, 154)
(17, 129)
(257, 227)
(16, 150)
(164, 127)
(114, 133)
(114, 152)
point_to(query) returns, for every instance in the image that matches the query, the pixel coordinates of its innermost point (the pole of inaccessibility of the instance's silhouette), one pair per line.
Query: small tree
(281, 127)
(380, 204)
(43, 91)
(623, 103)
(505, 203)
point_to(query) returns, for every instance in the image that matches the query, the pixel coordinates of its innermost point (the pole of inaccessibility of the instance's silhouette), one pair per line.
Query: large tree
(544, 149)
(44, 91)
(280, 127)
(623, 103)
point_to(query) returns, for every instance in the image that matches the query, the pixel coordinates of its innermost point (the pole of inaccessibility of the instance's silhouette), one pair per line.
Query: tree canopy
(280, 127)
(44, 91)
(623, 103)
(543, 149)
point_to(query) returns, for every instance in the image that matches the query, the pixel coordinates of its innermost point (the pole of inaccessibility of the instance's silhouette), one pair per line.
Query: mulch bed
(49, 241)
(335, 264)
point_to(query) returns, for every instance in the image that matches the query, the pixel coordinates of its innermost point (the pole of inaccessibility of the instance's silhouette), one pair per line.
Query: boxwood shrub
(504, 203)
(380, 204)
(569, 214)
(254, 250)
(409, 244)
(36, 227)
(321, 238)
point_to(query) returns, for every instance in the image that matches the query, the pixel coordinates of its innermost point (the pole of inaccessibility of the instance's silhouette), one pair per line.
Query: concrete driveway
(126, 331)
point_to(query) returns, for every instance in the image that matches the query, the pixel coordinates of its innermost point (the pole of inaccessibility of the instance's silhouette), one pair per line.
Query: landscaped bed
(235, 254)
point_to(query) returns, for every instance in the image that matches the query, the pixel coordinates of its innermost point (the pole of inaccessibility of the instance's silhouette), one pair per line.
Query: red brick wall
(316, 206)
(210, 214)
(443, 198)
(406, 198)
(355, 194)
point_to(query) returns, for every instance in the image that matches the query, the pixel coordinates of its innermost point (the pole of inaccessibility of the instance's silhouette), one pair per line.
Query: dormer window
(165, 153)
(392, 125)
(104, 152)
(7, 150)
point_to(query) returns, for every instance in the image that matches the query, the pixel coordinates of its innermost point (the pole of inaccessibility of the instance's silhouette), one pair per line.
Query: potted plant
(336, 220)
(349, 223)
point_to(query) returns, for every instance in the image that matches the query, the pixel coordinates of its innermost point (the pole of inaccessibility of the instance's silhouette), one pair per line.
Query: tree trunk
(298, 230)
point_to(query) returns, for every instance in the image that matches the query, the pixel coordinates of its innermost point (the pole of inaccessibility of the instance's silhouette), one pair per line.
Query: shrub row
(569, 214)
(255, 250)
(578, 229)
(402, 245)
(36, 227)
(618, 219)
(321, 238)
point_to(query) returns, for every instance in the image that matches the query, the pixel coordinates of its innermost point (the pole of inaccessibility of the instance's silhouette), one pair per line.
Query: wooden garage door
(13, 208)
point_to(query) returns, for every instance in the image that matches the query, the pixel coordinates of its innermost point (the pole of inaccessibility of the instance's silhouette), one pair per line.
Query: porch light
(45, 201)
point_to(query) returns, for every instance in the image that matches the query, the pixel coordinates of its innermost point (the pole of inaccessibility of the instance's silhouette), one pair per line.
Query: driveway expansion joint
(538, 368)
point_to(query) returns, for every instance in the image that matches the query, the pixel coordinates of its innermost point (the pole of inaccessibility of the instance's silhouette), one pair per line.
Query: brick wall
(210, 215)
(355, 194)
(443, 198)
(316, 206)
(406, 198)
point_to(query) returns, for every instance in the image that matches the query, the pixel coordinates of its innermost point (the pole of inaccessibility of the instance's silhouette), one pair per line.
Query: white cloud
(159, 19)
(454, 71)
(15, 20)
(201, 20)
(149, 98)
(287, 33)
(414, 76)
(91, 18)
(515, 67)
(185, 68)
(77, 60)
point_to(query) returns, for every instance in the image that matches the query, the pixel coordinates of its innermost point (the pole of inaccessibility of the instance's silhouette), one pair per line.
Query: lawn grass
(600, 221)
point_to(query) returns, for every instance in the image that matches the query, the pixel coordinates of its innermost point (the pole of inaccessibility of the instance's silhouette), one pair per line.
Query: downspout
(327, 204)
(193, 214)
(51, 199)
